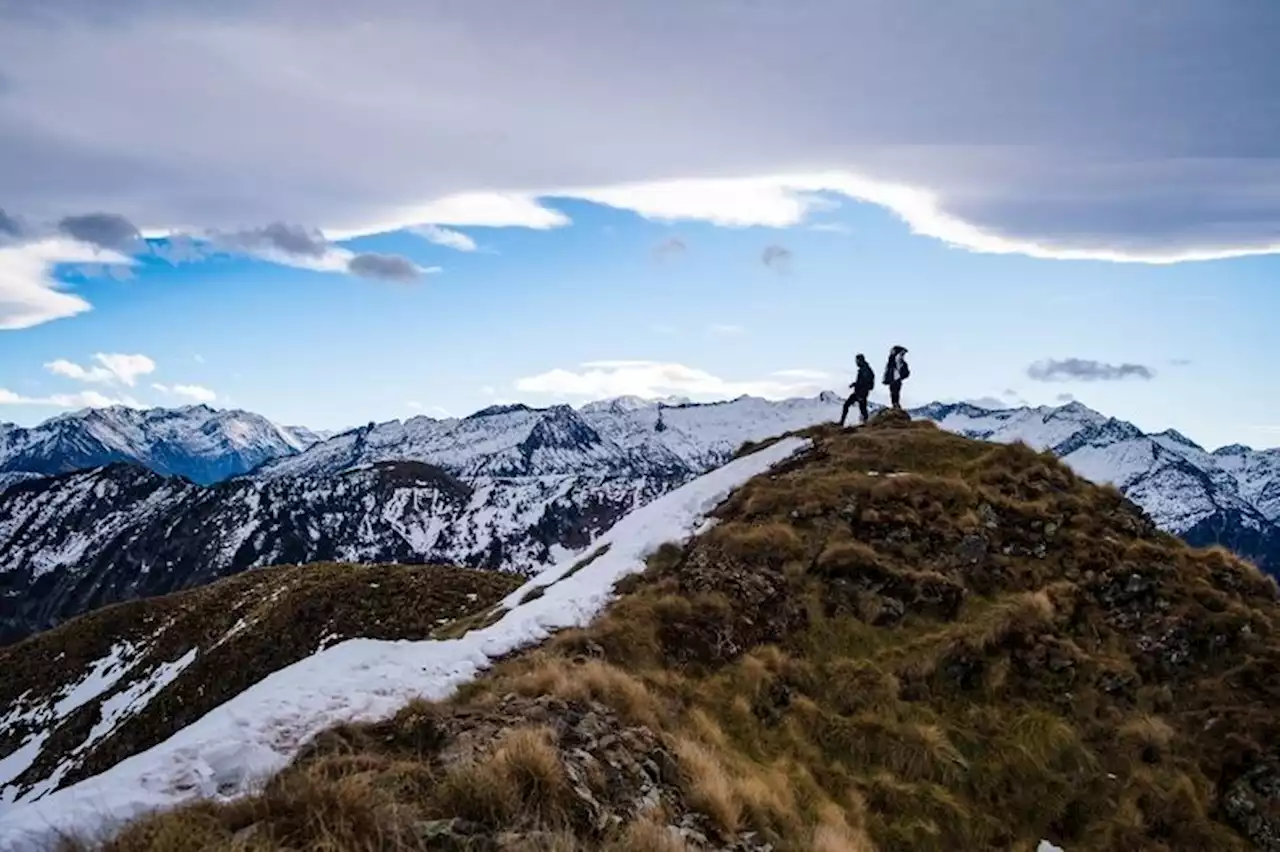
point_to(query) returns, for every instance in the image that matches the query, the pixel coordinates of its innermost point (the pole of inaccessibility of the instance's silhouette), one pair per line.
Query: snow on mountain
(612, 436)
(1229, 497)
(510, 486)
(200, 443)
(240, 743)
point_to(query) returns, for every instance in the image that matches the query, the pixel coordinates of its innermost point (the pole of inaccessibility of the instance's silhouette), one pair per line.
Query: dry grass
(522, 780)
(978, 654)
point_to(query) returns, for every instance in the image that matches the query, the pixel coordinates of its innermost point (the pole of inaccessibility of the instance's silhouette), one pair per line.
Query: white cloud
(724, 329)
(446, 237)
(84, 399)
(433, 410)
(110, 369)
(198, 358)
(195, 393)
(29, 293)
(475, 209)
(652, 379)
(811, 375)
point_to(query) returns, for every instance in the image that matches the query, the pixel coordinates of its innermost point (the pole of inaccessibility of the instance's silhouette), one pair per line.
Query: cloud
(1065, 397)
(663, 328)
(670, 247)
(1180, 362)
(992, 402)
(387, 267)
(831, 228)
(446, 237)
(111, 368)
(84, 399)
(777, 258)
(940, 118)
(29, 292)
(198, 358)
(279, 236)
(652, 379)
(195, 393)
(1083, 370)
(433, 410)
(104, 230)
(724, 329)
(10, 228)
(474, 209)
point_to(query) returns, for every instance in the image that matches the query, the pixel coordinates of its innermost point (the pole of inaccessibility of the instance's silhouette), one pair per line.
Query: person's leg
(894, 390)
(862, 409)
(845, 412)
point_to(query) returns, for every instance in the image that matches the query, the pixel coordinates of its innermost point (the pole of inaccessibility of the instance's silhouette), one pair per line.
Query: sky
(335, 213)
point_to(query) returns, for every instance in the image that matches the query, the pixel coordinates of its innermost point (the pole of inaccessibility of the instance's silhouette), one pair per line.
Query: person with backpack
(896, 372)
(862, 386)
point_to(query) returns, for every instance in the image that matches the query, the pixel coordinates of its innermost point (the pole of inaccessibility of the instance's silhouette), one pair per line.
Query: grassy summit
(902, 640)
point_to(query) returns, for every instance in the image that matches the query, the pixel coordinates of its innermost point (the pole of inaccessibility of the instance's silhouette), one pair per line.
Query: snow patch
(256, 733)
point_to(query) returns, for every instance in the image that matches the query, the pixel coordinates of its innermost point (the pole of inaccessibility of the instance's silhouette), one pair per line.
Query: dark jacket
(866, 380)
(896, 369)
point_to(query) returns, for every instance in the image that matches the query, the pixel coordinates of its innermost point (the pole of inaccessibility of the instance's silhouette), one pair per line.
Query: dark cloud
(778, 258)
(280, 237)
(104, 230)
(9, 226)
(1084, 370)
(1065, 397)
(1014, 124)
(387, 267)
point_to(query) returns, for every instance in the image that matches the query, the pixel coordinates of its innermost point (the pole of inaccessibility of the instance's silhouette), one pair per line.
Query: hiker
(896, 372)
(861, 390)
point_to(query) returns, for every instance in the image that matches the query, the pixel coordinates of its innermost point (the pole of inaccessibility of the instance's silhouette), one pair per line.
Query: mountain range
(141, 503)
(196, 442)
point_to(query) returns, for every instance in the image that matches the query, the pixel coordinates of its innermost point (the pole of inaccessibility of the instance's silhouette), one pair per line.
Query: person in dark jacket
(896, 372)
(862, 386)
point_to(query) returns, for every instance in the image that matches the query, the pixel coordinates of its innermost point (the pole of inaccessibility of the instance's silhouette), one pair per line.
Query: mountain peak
(495, 410)
(1177, 437)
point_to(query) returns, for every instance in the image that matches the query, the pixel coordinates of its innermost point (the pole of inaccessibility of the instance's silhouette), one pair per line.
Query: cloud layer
(1085, 370)
(654, 380)
(992, 131)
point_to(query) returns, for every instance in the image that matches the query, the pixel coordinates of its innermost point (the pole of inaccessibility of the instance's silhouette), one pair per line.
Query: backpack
(906, 371)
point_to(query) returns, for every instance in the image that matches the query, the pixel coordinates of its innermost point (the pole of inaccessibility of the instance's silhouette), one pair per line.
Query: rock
(1252, 805)
(972, 549)
(987, 515)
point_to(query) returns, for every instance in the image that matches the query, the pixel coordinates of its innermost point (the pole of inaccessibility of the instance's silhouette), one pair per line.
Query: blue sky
(328, 350)
(332, 213)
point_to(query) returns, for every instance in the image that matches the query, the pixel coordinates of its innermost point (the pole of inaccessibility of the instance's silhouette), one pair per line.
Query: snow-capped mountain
(509, 487)
(1230, 496)
(181, 685)
(200, 443)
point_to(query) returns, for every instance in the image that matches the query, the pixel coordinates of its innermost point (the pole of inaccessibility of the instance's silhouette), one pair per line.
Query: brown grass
(978, 654)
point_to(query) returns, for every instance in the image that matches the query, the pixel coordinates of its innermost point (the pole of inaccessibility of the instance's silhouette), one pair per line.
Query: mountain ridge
(891, 638)
(530, 483)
